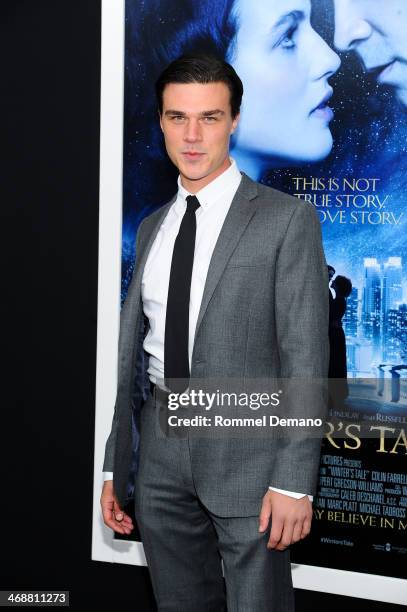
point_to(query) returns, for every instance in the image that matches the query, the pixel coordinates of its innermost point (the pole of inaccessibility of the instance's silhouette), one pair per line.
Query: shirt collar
(229, 179)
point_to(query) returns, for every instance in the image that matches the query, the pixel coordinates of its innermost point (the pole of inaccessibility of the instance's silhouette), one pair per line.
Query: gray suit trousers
(184, 542)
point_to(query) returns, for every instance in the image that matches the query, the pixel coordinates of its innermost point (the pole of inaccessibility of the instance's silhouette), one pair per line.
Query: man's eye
(177, 118)
(209, 119)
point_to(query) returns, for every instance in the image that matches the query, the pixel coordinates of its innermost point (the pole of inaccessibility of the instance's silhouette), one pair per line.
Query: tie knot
(192, 204)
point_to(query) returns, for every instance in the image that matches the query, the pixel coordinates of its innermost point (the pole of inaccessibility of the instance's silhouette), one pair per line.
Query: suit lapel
(240, 212)
(147, 238)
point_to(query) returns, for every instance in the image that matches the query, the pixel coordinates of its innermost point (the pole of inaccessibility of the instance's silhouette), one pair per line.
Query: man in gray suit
(230, 282)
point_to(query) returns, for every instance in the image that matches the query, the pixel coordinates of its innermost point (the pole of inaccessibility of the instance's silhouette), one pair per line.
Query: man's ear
(160, 120)
(235, 123)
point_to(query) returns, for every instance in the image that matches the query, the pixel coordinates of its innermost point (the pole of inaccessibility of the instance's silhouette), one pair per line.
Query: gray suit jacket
(264, 313)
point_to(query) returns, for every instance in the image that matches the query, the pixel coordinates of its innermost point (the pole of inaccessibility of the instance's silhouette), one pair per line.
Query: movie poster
(324, 119)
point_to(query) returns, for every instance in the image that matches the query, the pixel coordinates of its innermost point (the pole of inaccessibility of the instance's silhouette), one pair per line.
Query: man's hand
(113, 516)
(291, 519)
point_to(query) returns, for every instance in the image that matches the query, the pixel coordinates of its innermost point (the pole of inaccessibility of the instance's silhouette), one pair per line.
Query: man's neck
(193, 186)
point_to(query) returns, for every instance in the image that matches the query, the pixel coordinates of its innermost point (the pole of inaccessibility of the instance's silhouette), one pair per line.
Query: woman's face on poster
(285, 66)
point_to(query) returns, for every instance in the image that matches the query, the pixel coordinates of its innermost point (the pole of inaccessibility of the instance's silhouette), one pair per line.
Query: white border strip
(104, 546)
(109, 273)
(352, 584)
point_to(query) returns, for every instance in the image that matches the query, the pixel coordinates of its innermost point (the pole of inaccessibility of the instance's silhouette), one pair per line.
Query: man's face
(377, 31)
(197, 125)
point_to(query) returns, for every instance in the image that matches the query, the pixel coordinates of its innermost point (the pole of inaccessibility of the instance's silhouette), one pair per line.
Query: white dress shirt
(215, 200)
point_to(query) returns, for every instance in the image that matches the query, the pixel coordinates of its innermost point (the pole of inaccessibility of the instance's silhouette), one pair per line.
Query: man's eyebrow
(208, 113)
(174, 112)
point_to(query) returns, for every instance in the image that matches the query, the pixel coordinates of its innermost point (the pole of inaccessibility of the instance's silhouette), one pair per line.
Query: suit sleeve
(302, 311)
(108, 462)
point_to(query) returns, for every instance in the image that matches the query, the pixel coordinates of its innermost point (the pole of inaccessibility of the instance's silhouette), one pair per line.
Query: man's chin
(192, 174)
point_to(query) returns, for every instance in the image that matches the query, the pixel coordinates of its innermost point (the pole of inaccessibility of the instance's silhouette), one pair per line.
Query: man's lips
(386, 72)
(192, 154)
(381, 71)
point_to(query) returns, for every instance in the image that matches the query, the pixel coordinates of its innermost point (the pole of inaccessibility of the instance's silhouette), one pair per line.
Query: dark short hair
(344, 285)
(201, 69)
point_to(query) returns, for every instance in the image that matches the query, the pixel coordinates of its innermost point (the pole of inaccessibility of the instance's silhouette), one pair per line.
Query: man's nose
(192, 131)
(350, 27)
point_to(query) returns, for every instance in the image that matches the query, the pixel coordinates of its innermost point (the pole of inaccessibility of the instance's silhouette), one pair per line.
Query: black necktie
(176, 361)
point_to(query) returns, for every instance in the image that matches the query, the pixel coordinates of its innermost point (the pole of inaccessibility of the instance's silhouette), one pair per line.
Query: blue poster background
(356, 178)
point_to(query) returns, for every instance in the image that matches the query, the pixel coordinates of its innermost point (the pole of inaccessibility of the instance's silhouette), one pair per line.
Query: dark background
(50, 111)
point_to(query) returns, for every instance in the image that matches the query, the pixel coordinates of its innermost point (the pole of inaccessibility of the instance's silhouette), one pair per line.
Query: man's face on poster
(377, 31)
